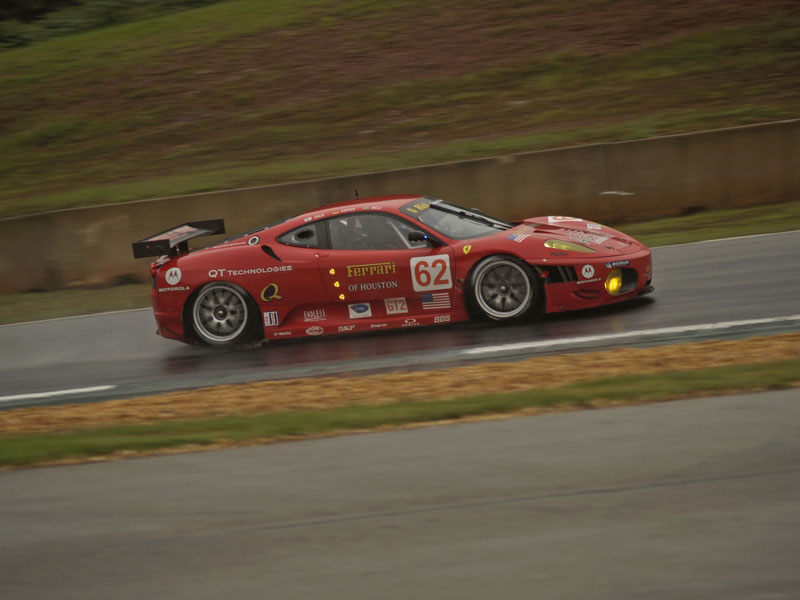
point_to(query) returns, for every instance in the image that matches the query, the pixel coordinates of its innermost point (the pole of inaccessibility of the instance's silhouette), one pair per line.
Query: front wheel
(223, 314)
(502, 288)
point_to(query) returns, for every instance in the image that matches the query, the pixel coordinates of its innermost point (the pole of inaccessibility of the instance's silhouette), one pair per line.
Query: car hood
(532, 233)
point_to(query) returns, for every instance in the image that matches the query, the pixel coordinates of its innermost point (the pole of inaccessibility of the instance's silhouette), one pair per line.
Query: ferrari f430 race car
(381, 263)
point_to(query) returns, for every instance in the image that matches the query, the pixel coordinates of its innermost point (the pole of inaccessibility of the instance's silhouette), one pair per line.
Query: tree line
(24, 22)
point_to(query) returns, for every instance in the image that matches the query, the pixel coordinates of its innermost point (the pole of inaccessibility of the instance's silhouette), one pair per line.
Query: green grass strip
(717, 224)
(29, 449)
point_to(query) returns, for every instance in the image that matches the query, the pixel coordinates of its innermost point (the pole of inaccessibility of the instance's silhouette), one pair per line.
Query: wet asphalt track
(722, 281)
(689, 499)
(693, 499)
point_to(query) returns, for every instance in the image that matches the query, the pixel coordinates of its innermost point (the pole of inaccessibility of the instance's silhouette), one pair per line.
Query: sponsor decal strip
(384, 268)
(359, 311)
(173, 276)
(372, 286)
(395, 306)
(317, 314)
(271, 293)
(630, 334)
(87, 390)
(586, 238)
(617, 263)
(217, 273)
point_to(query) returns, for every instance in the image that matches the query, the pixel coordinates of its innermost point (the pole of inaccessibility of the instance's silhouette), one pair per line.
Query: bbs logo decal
(359, 311)
(173, 276)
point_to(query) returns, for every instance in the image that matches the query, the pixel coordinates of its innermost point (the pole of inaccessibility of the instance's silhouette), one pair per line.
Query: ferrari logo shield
(467, 249)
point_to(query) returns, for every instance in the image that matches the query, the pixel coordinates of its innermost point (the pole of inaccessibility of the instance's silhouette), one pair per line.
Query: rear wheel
(223, 314)
(502, 288)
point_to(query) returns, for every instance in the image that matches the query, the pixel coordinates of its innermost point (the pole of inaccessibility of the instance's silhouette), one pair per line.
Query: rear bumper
(168, 315)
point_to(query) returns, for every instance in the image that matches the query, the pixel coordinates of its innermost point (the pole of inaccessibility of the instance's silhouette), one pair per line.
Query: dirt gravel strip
(331, 392)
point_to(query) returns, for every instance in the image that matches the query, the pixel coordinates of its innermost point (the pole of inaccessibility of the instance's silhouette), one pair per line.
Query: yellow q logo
(467, 249)
(270, 293)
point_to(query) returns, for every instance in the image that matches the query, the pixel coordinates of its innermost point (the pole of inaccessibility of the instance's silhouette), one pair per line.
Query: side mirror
(417, 236)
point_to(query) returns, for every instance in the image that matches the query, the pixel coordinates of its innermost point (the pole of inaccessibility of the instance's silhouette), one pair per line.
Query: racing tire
(223, 314)
(503, 288)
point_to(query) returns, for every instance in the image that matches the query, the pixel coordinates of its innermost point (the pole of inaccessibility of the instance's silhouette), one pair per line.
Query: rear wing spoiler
(175, 240)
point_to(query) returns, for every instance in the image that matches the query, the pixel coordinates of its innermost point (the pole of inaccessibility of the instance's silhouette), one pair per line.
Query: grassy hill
(248, 92)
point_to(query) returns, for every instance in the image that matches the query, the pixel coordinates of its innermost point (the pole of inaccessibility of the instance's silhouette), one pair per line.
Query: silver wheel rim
(220, 313)
(502, 289)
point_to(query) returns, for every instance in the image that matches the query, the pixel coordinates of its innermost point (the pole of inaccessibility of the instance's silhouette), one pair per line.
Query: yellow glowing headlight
(614, 282)
(567, 246)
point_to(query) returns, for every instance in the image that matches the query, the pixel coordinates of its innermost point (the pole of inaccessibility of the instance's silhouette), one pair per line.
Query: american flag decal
(518, 237)
(435, 301)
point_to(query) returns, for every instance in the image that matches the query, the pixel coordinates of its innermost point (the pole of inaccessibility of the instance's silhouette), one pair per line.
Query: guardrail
(608, 182)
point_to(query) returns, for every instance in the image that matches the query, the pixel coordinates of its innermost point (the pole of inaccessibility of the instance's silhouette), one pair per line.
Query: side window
(369, 231)
(305, 236)
(404, 227)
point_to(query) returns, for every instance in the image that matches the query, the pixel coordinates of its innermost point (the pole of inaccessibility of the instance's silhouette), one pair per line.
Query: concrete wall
(649, 178)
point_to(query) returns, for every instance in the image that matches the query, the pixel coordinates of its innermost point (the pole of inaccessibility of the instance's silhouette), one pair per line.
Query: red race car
(381, 263)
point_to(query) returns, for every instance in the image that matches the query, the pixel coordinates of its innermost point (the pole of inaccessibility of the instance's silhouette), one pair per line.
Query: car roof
(365, 203)
(390, 203)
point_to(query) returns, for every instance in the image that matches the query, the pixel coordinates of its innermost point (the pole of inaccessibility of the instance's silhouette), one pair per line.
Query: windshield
(451, 220)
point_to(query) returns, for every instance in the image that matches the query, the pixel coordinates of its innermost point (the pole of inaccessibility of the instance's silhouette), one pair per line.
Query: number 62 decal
(431, 273)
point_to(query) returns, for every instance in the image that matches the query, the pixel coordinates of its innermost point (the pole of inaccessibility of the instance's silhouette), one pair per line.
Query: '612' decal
(431, 273)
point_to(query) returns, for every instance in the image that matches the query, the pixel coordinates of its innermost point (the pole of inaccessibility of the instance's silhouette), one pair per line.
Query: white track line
(101, 314)
(728, 239)
(88, 390)
(628, 334)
